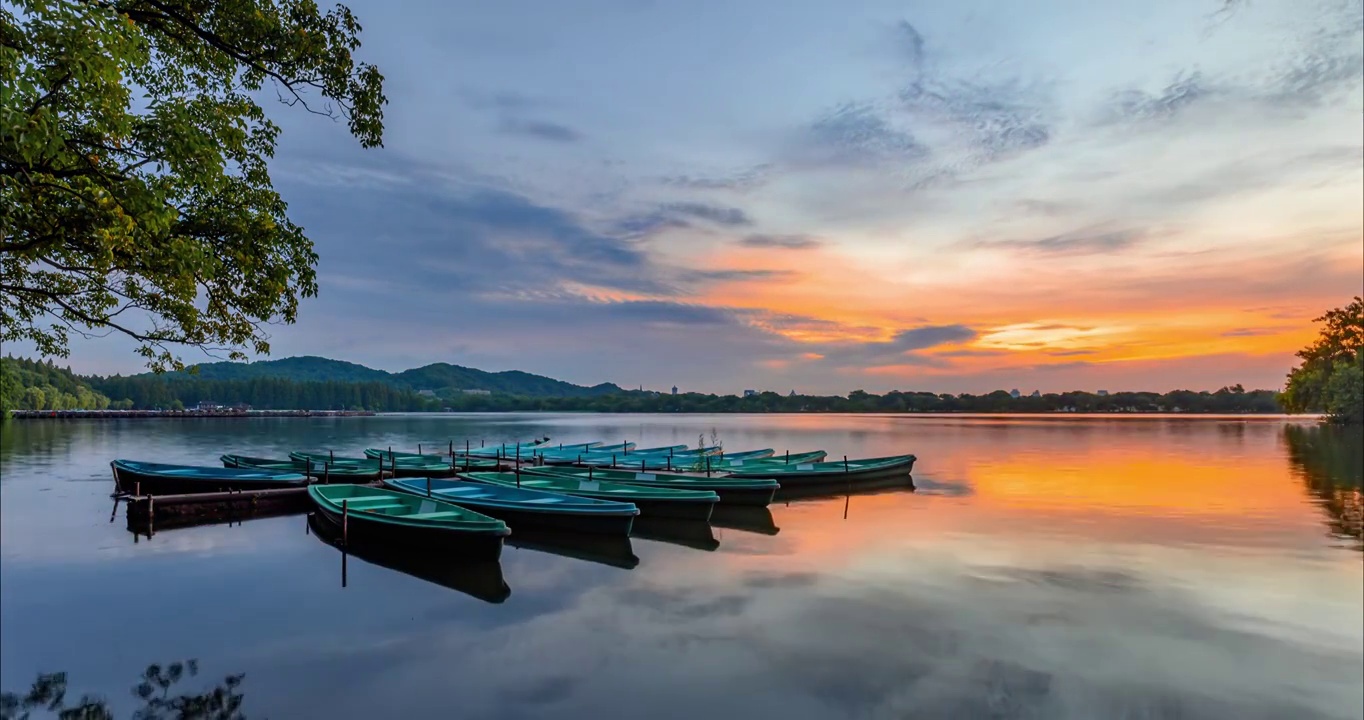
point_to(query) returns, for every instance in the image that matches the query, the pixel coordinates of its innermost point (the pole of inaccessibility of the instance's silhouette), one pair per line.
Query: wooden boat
(796, 475)
(322, 472)
(478, 579)
(651, 501)
(875, 486)
(508, 449)
(732, 491)
(613, 550)
(525, 507)
(403, 459)
(568, 454)
(727, 462)
(685, 461)
(399, 468)
(377, 515)
(146, 478)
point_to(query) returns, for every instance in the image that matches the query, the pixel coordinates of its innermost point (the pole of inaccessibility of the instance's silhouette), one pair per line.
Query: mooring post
(419, 448)
(518, 476)
(151, 512)
(331, 455)
(326, 473)
(613, 460)
(345, 522)
(845, 464)
(707, 466)
(428, 486)
(589, 473)
(137, 488)
(625, 446)
(452, 449)
(788, 457)
(670, 463)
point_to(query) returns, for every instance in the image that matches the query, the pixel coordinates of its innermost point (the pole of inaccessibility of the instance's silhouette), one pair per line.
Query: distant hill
(436, 377)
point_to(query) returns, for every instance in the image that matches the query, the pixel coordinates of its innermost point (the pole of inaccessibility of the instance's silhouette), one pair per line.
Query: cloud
(789, 242)
(674, 313)
(1135, 105)
(728, 216)
(858, 134)
(540, 129)
(1080, 242)
(745, 179)
(1251, 332)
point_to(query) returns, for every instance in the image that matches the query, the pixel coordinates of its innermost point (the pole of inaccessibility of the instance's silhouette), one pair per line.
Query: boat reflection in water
(875, 486)
(613, 550)
(694, 534)
(144, 527)
(744, 518)
(480, 579)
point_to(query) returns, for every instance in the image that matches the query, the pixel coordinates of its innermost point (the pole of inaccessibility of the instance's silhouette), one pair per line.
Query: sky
(834, 195)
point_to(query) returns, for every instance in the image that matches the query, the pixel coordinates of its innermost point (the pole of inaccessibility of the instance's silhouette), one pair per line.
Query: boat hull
(796, 479)
(465, 545)
(133, 482)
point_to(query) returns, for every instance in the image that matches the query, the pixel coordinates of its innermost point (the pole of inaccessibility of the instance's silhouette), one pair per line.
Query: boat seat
(433, 515)
(385, 506)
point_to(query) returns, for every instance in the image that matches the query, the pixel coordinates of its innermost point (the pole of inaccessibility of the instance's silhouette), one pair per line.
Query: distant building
(1015, 394)
(750, 393)
(674, 389)
(427, 393)
(1036, 394)
(1103, 393)
(476, 392)
(207, 406)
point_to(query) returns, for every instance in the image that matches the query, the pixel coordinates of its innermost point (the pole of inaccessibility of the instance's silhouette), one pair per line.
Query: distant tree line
(39, 385)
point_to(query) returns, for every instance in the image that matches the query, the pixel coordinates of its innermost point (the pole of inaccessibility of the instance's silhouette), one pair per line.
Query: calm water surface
(1069, 568)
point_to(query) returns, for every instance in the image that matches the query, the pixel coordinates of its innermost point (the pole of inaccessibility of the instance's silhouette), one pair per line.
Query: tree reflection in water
(1331, 460)
(153, 690)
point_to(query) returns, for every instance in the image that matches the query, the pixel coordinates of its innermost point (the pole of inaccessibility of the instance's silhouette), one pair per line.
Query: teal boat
(796, 475)
(404, 459)
(507, 449)
(651, 501)
(732, 491)
(730, 462)
(569, 453)
(398, 468)
(525, 507)
(376, 515)
(323, 472)
(144, 478)
(671, 461)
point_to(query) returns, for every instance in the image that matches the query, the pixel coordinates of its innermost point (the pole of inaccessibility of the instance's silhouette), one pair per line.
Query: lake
(1044, 567)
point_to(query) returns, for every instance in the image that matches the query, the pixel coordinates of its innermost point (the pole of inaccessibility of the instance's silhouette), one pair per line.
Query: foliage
(133, 166)
(34, 385)
(48, 694)
(1331, 377)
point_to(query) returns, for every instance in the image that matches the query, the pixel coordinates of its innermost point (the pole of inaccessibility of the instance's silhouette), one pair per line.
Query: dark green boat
(376, 515)
(322, 472)
(651, 501)
(732, 491)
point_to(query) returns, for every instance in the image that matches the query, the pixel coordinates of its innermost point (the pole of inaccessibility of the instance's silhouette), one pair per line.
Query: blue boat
(525, 507)
(134, 477)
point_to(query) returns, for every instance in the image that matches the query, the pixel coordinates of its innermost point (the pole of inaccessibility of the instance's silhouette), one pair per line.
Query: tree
(1331, 376)
(152, 213)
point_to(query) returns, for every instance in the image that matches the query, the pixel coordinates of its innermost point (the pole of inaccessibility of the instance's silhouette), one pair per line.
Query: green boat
(405, 458)
(729, 463)
(415, 468)
(732, 491)
(319, 471)
(797, 475)
(651, 501)
(376, 515)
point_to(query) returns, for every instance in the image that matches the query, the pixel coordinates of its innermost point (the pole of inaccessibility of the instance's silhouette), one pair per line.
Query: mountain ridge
(433, 377)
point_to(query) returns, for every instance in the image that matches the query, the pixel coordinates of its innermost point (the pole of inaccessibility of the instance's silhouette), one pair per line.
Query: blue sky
(836, 195)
